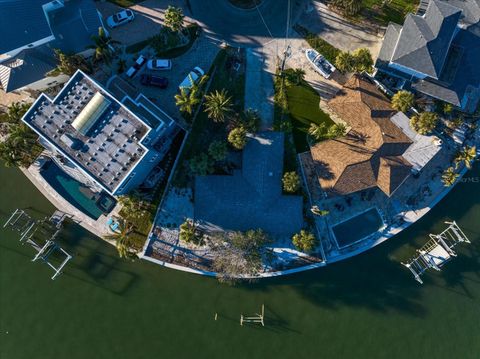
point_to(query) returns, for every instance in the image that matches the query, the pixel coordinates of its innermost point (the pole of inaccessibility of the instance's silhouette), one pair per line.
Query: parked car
(120, 18)
(136, 66)
(320, 63)
(192, 78)
(159, 64)
(140, 62)
(150, 80)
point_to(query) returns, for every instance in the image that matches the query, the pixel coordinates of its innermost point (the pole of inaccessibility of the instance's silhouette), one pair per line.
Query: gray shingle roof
(27, 67)
(461, 75)
(21, 23)
(424, 41)
(73, 25)
(388, 46)
(251, 198)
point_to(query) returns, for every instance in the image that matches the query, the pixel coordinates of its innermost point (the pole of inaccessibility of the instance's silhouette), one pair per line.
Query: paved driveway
(338, 31)
(148, 19)
(201, 54)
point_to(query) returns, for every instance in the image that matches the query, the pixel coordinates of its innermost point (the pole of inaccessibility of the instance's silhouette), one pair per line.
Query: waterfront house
(436, 53)
(379, 150)
(32, 29)
(109, 144)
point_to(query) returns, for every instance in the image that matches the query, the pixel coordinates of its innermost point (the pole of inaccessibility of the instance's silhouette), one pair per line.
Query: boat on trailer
(320, 63)
(437, 251)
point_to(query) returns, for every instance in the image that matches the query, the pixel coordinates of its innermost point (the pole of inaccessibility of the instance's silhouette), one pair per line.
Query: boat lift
(257, 318)
(40, 235)
(437, 251)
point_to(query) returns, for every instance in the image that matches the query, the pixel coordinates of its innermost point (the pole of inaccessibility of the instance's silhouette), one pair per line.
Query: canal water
(365, 307)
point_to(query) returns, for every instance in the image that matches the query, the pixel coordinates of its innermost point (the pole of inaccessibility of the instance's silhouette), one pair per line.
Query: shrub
(291, 182)
(188, 231)
(201, 165)
(238, 138)
(304, 241)
(218, 150)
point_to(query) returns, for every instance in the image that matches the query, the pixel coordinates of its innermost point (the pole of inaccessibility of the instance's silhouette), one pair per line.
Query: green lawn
(393, 11)
(303, 106)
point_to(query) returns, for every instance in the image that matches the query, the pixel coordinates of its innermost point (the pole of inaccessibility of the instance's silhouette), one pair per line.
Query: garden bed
(204, 131)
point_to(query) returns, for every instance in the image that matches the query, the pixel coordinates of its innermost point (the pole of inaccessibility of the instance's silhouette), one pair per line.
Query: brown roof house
(371, 154)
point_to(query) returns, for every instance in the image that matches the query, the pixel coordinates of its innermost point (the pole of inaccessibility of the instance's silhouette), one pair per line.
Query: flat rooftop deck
(109, 150)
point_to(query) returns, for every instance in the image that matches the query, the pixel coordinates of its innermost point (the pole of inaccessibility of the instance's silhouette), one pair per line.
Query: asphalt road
(247, 28)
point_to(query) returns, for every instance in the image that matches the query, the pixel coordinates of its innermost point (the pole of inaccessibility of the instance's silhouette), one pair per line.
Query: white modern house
(112, 145)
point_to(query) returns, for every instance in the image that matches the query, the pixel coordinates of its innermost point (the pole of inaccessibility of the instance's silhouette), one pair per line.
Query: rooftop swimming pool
(357, 228)
(76, 193)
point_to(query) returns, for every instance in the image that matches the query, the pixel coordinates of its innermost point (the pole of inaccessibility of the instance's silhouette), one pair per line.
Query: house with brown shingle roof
(370, 155)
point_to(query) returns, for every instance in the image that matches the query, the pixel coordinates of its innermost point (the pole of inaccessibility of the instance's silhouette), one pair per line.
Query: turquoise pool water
(70, 189)
(356, 228)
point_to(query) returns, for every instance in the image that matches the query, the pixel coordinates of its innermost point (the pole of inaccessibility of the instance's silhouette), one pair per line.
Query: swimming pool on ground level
(76, 193)
(357, 228)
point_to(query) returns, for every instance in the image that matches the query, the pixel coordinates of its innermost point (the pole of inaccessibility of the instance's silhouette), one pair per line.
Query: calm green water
(367, 307)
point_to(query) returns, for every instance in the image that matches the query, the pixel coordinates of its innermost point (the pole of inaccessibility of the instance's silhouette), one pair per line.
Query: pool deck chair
(41, 235)
(437, 251)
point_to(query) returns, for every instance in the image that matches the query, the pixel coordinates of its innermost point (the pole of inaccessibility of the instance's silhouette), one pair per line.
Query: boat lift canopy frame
(40, 235)
(427, 257)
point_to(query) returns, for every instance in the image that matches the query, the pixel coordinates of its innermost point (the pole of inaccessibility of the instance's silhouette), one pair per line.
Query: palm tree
(294, 77)
(317, 131)
(449, 176)
(103, 46)
(337, 130)
(218, 105)
(187, 100)
(345, 62)
(174, 18)
(402, 100)
(363, 59)
(122, 238)
(467, 155)
(424, 123)
(16, 111)
(69, 64)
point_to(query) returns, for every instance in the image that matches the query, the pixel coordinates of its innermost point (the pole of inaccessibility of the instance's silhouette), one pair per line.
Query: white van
(159, 65)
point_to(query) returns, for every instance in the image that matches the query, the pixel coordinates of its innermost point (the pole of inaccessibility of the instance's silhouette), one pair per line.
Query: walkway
(260, 71)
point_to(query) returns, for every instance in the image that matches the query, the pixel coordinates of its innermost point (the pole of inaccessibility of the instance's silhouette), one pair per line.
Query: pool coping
(381, 228)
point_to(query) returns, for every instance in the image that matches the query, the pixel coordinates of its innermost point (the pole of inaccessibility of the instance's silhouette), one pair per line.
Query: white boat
(319, 63)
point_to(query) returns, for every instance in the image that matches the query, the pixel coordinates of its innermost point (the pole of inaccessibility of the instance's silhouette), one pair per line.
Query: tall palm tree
(174, 18)
(449, 176)
(122, 237)
(218, 105)
(403, 100)
(467, 155)
(102, 44)
(317, 131)
(187, 100)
